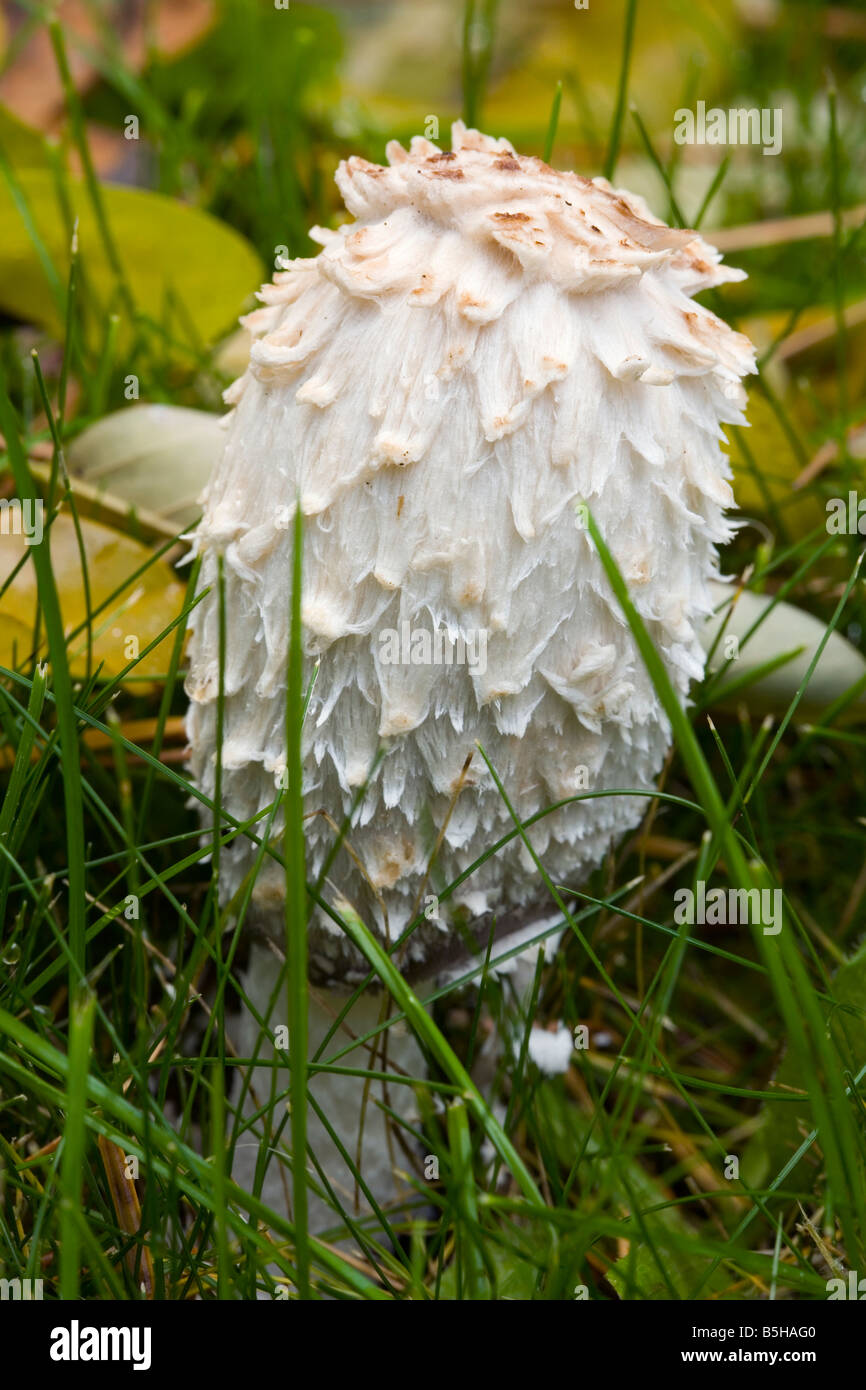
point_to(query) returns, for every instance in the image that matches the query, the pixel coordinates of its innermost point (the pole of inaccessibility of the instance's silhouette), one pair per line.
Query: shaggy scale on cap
(488, 345)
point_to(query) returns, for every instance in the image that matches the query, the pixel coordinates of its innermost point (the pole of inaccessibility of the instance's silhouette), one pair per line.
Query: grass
(123, 973)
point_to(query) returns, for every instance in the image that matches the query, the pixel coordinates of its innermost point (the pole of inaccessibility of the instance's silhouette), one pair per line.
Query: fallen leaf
(165, 247)
(130, 621)
(158, 457)
(783, 629)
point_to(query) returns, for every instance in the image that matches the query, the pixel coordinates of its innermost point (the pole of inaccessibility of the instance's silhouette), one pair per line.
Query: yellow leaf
(127, 625)
(167, 250)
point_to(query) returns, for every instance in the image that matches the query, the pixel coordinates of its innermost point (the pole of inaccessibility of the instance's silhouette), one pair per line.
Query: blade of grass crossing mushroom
(797, 1000)
(584, 914)
(437, 1045)
(296, 911)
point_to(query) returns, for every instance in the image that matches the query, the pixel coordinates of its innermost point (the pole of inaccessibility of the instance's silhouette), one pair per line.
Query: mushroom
(488, 349)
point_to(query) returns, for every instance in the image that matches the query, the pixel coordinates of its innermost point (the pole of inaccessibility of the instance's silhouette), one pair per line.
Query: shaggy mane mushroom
(489, 345)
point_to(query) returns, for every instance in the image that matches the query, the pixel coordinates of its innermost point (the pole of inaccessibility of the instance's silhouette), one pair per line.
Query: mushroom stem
(350, 1104)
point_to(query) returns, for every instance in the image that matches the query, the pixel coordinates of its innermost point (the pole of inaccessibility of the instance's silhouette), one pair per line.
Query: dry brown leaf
(127, 1209)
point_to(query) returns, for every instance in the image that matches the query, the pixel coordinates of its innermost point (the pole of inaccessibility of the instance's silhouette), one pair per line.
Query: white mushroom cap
(488, 345)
